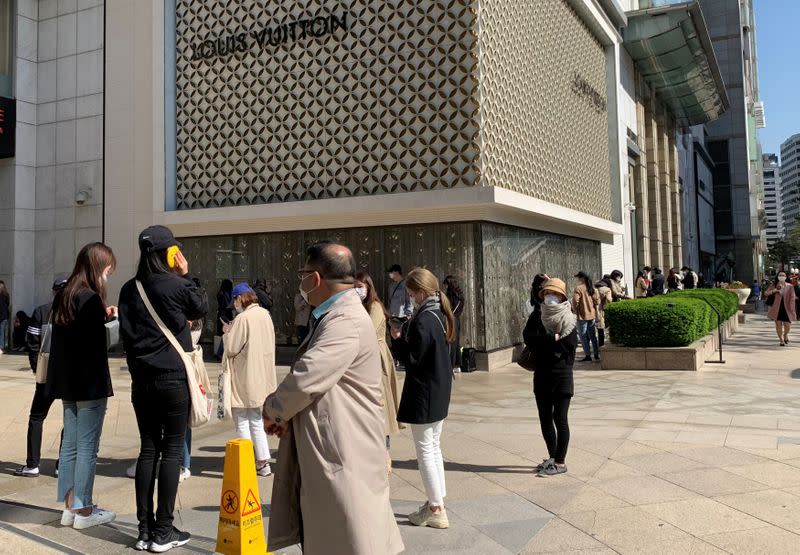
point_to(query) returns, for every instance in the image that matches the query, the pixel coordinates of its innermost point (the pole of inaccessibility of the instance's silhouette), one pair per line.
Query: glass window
(6, 46)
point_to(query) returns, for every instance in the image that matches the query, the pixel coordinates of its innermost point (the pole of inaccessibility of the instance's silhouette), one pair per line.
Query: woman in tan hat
(552, 338)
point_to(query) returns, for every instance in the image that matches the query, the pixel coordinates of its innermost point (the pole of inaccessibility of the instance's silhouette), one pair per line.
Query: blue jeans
(187, 449)
(83, 424)
(3, 334)
(588, 333)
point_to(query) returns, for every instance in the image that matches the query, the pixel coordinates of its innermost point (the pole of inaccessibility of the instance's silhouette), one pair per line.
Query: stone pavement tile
(14, 542)
(687, 545)
(641, 490)
(658, 463)
(710, 418)
(717, 456)
(599, 446)
(701, 516)
(642, 434)
(629, 448)
(774, 506)
(769, 540)
(572, 497)
(482, 510)
(612, 469)
(755, 421)
(789, 424)
(751, 441)
(614, 528)
(558, 536)
(514, 535)
(463, 486)
(702, 438)
(711, 482)
(583, 463)
(775, 474)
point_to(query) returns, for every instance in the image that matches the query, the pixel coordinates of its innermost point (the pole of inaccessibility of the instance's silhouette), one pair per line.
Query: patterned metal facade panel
(311, 99)
(543, 105)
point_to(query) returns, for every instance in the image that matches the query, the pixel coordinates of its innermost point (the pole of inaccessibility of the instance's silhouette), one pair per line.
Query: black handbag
(526, 360)
(468, 362)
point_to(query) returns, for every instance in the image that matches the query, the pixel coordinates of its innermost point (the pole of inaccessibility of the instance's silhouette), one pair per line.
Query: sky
(778, 51)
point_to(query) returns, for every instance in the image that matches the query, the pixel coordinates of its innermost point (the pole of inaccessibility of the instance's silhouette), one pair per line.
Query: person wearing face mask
(365, 288)
(618, 292)
(424, 348)
(250, 359)
(551, 336)
(159, 389)
(585, 300)
(782, 308)
(302, 313)
(78, 374)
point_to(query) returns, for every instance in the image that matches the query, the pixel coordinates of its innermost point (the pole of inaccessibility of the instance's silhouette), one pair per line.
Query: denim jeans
(3, 334)
(187, 449)
(250, 425)
(588, 333)
(83, 424)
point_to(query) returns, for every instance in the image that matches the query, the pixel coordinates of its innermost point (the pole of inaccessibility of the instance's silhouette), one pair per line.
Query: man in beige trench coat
(331, 488)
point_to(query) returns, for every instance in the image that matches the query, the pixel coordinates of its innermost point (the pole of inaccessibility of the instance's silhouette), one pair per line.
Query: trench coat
(250, 357)
(787, 297)
(331, 488)
(391, 395)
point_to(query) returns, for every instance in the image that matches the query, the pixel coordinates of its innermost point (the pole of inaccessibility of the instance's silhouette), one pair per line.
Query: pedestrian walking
(656, 284)
(224, 313)
(641, 285)
(781, 298)
(159, 390)
(250, 359)
(333, 490)
(456, 297)
(77, 373)
(585, 301)
(41, 403)
(264, 294)
(673, 281)
(365, 288)
(552, 338)
(425, 402)
(603, 288)
(5, 312)
(302, 313)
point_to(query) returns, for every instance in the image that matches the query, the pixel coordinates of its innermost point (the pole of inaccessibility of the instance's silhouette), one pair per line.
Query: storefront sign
(301, 29)
(581, 87)
(8, 125)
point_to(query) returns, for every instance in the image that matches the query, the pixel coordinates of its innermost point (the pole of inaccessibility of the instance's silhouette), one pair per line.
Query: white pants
(429, 459)
(250, 425)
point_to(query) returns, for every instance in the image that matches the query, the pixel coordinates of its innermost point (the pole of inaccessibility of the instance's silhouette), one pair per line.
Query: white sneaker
(67, 518)
(265, 470)
(131, 471)
(184, 475)
(26, 471)
(99, 516)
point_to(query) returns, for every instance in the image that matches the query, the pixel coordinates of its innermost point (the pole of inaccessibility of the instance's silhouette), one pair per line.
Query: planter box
(689, 358)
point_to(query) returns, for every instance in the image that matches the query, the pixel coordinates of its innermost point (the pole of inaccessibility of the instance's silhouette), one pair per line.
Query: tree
(782, 252)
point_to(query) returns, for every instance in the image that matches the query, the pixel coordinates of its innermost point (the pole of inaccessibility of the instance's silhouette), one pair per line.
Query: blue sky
(778, 49)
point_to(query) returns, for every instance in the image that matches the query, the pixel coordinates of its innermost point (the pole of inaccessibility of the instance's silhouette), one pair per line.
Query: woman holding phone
(782, 310)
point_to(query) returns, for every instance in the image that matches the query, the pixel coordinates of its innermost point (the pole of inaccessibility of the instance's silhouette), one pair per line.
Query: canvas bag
(224, 393)
(43, 358)
(196, 374)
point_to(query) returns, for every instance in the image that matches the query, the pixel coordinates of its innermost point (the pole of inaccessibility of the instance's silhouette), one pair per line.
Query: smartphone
(171, 253)
(224, 322)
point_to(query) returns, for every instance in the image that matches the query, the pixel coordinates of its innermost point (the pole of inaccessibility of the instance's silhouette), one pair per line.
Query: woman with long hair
(78, 375)
(782, 306)
(456, 297)
(673, 280)
(159, 389)
(250, 359)
(552, 338)
(365, 288)
(585, 300)
(641, 285)
(425, 402)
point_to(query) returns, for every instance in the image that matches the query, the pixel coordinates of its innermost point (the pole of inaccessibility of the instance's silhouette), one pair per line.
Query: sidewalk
(669, 462)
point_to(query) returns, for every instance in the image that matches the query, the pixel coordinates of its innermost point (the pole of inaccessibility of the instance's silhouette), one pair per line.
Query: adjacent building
(790, 181)
(773, 204)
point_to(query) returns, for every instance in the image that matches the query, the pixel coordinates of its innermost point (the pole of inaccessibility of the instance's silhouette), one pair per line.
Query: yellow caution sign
(241, 524)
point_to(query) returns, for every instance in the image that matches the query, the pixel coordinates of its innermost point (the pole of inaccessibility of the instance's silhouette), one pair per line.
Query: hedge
(673, 320)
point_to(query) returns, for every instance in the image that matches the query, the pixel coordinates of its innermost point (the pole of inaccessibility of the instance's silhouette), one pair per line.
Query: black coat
(78, 367)
(33, 335)
(264, 298)
(176, 300)
(553, 359)
(657, 285)
(5, 307)
(429, 373)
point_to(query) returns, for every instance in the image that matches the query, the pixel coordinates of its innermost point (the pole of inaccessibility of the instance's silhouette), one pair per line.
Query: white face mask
(781, 278)
(362, 293)
(304, 293)
(551, 299)
(237, 307)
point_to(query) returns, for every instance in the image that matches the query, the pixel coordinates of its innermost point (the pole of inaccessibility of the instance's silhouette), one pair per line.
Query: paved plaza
(668, 462)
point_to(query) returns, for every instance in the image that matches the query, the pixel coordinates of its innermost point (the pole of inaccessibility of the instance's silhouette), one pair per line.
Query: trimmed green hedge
(673, 320)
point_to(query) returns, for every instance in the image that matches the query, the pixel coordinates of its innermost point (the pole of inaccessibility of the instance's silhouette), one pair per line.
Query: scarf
(558, 318)
(432, 303)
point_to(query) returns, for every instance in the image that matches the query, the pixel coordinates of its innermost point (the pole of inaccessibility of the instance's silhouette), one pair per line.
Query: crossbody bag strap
(164, 329)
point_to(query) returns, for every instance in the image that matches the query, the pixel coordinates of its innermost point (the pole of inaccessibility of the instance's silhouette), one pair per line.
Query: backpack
(468, 363)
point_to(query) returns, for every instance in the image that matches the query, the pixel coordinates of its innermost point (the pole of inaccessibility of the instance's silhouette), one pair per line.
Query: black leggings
(553, 408)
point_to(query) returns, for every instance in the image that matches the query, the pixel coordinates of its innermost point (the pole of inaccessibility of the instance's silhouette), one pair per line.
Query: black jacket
(78, 367)
(429, 373)
(5, 307)
(656, 285)
(176, 300)
(264, 298)
(549, 354)
(33, 335)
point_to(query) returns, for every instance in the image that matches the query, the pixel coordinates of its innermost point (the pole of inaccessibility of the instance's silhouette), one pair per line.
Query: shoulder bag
(43, 358)
(526, 360)
(196, 374)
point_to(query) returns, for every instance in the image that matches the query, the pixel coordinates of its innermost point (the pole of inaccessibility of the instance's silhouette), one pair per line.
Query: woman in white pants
(250, 358)
(423, 347)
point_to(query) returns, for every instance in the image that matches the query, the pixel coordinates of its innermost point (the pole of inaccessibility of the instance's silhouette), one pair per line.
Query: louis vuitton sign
(302, 29)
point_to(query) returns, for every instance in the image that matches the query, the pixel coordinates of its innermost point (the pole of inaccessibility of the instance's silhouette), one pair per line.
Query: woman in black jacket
(552, 338)
(456, 297)
(160, 393)
(426, 392)
(78, 375)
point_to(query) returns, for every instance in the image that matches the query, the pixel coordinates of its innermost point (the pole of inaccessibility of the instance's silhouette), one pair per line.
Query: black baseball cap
(60, 282)
(157, 238)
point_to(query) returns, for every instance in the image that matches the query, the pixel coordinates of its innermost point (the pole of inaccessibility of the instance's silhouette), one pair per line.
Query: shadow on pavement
(411, 464)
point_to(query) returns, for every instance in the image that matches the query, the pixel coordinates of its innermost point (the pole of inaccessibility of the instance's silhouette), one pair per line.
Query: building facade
(697, 179)
(790, 181)
(773, 205)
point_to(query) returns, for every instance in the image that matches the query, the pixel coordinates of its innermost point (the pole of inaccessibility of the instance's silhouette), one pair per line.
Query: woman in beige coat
(250, 359)
(365, 288)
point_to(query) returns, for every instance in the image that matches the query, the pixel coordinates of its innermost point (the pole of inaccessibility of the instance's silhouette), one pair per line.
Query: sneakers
(176, 538)
(551, 469)
(586, 359)
(543, 464)
(184, 475)
(426, 517)
(27, 472)
(597, 358)
(99, 516)
(143, 542)
(67, 518)
(264, 470)
(131, 471)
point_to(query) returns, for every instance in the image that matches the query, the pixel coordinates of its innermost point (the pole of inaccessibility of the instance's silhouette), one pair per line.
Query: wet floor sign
(241, 525)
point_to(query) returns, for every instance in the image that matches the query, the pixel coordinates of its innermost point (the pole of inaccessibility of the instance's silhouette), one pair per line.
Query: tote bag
(196, 374)
(43, 358)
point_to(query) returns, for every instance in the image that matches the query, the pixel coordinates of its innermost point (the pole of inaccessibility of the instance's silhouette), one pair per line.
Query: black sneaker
(143, 542)
(597, 358)
(176, 538)
(586, 359)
